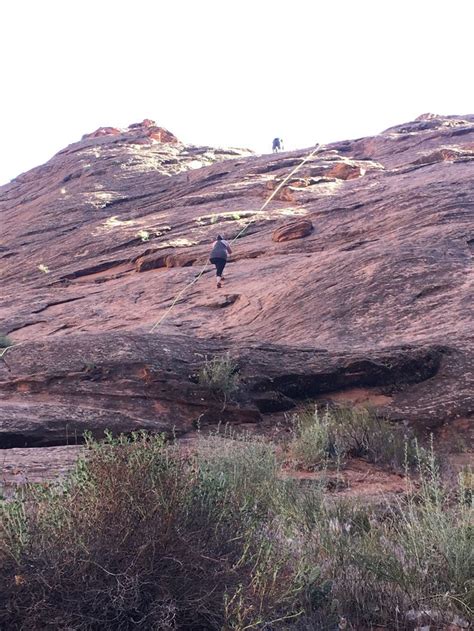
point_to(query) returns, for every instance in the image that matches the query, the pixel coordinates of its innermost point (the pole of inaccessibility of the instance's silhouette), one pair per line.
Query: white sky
(226, 72)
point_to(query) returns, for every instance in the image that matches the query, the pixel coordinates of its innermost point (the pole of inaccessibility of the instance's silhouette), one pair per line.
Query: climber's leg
(220, 264)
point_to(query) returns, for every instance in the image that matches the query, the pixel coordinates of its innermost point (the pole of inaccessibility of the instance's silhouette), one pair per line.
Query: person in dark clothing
(218, 257)
(277, 145)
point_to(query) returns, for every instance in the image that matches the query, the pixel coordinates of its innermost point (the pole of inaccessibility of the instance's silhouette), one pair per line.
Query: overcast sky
(227, 73)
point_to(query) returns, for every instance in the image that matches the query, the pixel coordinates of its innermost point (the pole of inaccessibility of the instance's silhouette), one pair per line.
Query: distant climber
(218, 257)
(277, 145)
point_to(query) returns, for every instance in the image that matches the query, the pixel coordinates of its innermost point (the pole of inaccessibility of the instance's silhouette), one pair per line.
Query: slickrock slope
(357, 277)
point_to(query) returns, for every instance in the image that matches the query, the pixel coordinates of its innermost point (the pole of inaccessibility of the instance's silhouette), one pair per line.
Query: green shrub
(376, 439)
(220, 375)
(315, 442)
(140, 537)
(5, 341)
(325, 438)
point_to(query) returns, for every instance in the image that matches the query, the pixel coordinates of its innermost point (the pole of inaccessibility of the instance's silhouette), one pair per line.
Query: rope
(238, 235)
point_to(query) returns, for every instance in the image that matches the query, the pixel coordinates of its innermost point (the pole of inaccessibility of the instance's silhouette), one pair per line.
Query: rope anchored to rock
(238, 235)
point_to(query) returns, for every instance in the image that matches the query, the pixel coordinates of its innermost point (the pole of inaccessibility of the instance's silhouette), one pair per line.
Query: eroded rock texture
(378, 295)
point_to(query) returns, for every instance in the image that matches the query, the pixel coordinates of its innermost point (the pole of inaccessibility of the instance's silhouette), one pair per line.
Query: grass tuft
(327, 438)
(220, 375)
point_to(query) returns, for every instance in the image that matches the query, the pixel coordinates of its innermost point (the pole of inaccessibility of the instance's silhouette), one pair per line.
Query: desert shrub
(365, 434)
(248, 474)
(466, 485)
(220, 375)
(401, 565)
(372, 564)
(325, 438)
(315, 442)
(140, 537)
(5, 341)
(145, 536)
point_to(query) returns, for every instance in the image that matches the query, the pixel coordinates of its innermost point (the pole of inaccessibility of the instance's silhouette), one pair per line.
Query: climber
(218, 257)
(277, 145)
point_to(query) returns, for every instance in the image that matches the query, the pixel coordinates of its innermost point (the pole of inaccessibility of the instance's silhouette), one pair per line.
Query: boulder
(293, 230)
(161, 135)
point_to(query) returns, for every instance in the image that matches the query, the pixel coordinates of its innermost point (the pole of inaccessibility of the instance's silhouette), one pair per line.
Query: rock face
(56, 389)
(98, 242)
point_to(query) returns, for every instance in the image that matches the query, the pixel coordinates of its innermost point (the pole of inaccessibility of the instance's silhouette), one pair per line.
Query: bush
(144, 537)
(326, 438)
(315, 442)
(5, 341)
(407, 565)
(220, 375)
(138, 538)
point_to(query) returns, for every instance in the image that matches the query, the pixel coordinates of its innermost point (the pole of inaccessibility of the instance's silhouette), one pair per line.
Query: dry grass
(325, 439)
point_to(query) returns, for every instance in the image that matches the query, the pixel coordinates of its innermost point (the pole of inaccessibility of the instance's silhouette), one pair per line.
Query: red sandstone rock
(388, 266)
(152, 261)
(426, 117)
(138, 133)
(445, 154)
(140, 140)
(161, 135)
(147, 122)
(102, 131)
(53, 390)
(293, 230)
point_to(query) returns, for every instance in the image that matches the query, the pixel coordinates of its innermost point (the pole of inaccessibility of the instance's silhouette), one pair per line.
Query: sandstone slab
(98, 242)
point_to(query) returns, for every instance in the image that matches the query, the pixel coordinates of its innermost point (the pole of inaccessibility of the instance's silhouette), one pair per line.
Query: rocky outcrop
(99, 242)
(293, 230)
(53, 391)
(141, 133)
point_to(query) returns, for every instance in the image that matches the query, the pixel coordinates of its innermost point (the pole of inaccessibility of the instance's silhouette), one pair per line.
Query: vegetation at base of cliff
(145, 536)
(327, 438)
(220, 375)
